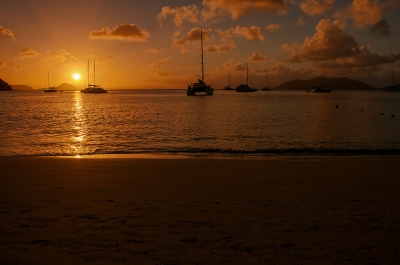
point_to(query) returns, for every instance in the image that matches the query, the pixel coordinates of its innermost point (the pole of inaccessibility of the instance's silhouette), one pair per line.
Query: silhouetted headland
(4, 86)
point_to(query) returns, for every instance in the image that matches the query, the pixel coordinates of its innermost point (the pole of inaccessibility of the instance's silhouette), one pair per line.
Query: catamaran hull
(194, 90)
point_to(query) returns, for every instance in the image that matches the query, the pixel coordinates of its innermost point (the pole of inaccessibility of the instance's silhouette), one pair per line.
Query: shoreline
(224, 156)
(199, 211)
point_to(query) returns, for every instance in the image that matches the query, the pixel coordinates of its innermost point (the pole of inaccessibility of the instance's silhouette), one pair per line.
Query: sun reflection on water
(79, 126)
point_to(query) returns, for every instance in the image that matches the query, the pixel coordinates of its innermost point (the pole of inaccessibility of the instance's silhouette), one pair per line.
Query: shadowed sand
(199, 211)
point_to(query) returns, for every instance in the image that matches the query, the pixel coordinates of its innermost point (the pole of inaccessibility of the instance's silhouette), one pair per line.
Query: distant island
(66, 86)
(4, 86)
(342, 83)
(22, 87)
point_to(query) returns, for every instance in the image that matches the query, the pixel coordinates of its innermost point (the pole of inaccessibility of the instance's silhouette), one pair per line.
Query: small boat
(200, 86)
(245, 87)
(268, 87)
(49, 88)
(228, 87)
(93, 89)
(319, 89)
(393, 88)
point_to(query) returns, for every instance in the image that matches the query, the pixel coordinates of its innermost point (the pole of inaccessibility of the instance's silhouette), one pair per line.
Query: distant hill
(342, 83)
(4, 86)
(22, 87)
(389, 87)
(66, 86)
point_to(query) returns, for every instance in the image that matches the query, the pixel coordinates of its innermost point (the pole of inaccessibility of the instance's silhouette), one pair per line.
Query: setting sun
(77, 76)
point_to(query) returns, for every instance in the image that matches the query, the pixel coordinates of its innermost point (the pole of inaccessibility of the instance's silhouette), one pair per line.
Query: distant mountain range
(22, 87)
(342, 83)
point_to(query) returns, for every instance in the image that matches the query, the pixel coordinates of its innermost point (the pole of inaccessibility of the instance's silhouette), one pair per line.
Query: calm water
(228, 123)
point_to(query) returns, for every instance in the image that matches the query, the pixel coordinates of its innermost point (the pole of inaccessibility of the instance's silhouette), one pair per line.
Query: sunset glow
(77, 76)
(156, 44)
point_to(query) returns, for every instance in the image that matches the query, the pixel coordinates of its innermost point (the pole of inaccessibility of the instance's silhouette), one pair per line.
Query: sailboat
(245, 87)
(93, 89)
(200, 86)
(268, 87)
(393, 88)
(228, 87)
(49, 88)
(321, 88)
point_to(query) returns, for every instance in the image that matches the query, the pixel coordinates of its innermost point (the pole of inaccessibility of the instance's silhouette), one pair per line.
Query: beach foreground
(199, 211)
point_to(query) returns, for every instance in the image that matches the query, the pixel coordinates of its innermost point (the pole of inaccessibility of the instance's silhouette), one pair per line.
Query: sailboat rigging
(245, 87)
(93, 89)
(228, 87)
(200, 86)
(49, 88)
(268, 87)
(393, 88)
(322, 88)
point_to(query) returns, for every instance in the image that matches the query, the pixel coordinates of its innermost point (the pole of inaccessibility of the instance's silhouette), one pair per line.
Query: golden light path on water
(79, 125)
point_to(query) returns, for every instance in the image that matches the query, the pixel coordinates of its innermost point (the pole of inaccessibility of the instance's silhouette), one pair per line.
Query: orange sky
(155, 44)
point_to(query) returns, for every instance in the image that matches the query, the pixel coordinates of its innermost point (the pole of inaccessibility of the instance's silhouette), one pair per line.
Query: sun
(76, 76)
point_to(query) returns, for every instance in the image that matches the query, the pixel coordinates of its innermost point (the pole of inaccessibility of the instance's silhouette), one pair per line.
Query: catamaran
(393, 88)
(93, 89)
(200, 86)
(245, 87)
(321, 88)
(228, 87)
(49, 88)
(268, 87)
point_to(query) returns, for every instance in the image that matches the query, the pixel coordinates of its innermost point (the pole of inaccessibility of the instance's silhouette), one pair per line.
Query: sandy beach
(341, 210)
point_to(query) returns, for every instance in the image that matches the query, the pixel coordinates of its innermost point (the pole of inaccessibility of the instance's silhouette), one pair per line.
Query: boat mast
(247, 74)
(393, 78)
(94, 72)
(202, 60)
(48, 79)
(87, 73)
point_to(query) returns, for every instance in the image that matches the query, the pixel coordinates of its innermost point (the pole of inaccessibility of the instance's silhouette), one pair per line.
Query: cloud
(179, 14)
(239, 8)
(19, 67)
(301, 22)
(3, 64)
(28, 53)
(272, 27)
(380, 28)
(239, 67)
(60, 56)
(256, 57)
(124, 32)
(251, 33)
(6, 32)
(192, 35)
(224, 47)
(166, 60)
(328, 43)
(153, 50)
(364, 59)
(365, 12)
(316, 7)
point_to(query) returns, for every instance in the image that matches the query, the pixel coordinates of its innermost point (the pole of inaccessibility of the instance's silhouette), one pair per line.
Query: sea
(227, 124)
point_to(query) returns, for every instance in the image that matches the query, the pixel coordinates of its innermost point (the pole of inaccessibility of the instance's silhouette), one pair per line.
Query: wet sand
(341, 210)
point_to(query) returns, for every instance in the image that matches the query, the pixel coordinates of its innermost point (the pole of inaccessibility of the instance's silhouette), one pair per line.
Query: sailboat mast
(393, 78)
(94, 71)
(48, 79)
(87, 73)
(202, 60)
(247, 74)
